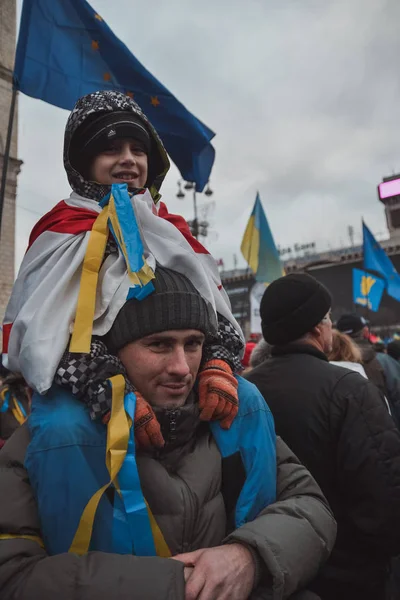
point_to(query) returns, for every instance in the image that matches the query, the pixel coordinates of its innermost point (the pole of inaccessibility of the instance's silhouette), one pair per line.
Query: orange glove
(218, 398)
(147, 429)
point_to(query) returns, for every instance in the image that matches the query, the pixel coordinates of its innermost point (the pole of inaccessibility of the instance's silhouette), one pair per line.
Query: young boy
(108, 140)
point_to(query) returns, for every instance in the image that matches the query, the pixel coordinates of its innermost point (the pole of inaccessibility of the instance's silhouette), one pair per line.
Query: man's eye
(194, 344)
(158, 346)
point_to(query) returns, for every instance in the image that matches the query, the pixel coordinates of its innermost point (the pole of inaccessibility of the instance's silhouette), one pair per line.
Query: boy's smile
(125, 161)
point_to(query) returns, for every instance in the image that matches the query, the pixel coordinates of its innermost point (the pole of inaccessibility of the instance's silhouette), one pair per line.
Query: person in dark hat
(214, 513)
(358, 329)
(393, 350)
(337, 423)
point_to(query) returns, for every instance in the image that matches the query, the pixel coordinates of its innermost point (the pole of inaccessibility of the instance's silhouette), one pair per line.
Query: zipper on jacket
(189, 500)
(172, 417)
(190, 514)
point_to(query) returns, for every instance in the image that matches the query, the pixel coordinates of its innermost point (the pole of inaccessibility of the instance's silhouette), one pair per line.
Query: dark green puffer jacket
(292, 537)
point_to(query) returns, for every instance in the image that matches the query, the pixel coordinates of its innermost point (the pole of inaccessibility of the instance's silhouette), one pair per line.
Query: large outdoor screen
(387, 189)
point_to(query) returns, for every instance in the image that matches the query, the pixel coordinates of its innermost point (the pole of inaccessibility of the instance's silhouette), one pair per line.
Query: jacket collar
(296, 348)
(179, 425)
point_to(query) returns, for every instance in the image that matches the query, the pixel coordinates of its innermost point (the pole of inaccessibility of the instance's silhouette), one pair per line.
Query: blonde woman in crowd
(345, 353)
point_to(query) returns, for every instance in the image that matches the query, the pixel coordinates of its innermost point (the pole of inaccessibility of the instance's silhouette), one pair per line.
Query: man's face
(125, 161)
(163, 366)
(326, 338)
(366, 332)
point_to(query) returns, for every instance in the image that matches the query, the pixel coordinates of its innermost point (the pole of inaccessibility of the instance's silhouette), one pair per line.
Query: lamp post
(195, 227)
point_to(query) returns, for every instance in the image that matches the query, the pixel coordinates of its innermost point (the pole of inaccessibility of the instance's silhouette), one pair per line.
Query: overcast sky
(304, 97)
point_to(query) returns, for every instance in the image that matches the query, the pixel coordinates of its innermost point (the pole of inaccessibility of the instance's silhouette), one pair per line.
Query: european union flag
(367, 289)
(376, 259)
(258, 246)
(65, 50)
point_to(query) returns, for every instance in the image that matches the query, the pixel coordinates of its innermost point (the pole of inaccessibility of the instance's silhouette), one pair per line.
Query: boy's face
(125, 161)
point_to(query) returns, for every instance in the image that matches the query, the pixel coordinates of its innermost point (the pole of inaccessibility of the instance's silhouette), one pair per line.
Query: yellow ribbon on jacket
(160, 544)
(17, 412)
(117, 444)
(83, 327)
(84, 318)
(16, 409)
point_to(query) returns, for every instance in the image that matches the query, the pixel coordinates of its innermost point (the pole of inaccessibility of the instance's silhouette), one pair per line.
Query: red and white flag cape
(41, 311)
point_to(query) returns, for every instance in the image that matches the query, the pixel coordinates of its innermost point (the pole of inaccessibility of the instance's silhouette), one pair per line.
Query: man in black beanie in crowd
(336, 422)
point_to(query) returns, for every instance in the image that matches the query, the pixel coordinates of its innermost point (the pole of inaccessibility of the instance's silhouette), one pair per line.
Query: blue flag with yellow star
(376, 259)
(65, 50)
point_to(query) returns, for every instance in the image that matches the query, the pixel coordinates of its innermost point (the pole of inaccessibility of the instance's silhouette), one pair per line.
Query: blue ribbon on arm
(6, 403)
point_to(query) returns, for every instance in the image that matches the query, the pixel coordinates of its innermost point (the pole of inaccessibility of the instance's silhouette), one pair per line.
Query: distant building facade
(335, 270)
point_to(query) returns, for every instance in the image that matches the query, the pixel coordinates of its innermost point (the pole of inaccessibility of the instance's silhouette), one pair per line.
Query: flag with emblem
(66, 50)
(367, 289)
(376, 259)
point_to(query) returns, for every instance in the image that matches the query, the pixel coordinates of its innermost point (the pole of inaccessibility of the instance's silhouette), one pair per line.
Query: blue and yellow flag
(258, 246)
(367, 289)
(376, 259)
(65, 50)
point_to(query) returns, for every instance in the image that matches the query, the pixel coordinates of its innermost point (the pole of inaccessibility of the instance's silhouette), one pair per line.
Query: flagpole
(248, 271)
(6, 156)
(363, 265)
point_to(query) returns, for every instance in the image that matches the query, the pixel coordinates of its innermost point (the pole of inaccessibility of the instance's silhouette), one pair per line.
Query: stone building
(7, 236)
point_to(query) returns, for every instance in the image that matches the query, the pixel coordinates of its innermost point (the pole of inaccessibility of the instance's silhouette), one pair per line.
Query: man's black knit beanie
(291, 306)
(174, 304)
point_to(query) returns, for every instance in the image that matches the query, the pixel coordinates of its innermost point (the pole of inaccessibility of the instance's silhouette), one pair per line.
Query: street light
(208, 191)
(195, 227)
(180, 194)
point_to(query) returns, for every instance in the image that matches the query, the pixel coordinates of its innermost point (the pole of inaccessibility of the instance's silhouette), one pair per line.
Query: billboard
(387, 189)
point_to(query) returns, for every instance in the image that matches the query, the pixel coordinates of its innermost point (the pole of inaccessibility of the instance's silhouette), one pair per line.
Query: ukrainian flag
(258, 246)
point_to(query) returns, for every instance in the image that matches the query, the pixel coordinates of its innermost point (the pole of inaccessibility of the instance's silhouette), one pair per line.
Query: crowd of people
(145, 461)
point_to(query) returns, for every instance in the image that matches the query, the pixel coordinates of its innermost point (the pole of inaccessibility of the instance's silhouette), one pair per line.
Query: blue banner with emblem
(367, 289)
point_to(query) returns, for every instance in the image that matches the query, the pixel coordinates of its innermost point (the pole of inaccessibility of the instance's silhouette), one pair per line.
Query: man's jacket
(192, 488)
(338, 425)
(374, 370)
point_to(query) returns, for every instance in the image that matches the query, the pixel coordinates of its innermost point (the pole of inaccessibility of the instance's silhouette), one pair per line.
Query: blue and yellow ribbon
(117, 217)
(146, 536)
(17, 410)
(117, 444)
